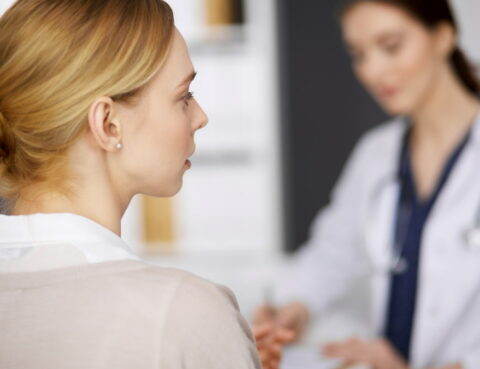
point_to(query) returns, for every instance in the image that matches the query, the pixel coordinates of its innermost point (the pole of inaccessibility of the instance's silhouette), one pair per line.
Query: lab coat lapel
(449, 272)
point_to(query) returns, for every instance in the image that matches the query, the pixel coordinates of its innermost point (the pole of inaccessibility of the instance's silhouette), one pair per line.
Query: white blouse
(46, 241)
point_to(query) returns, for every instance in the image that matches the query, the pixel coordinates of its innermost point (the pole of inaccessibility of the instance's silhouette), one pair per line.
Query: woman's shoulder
(181, 319)
(178, 290)
(379, 143)
(202, 320)
(177, 281)
(384, 134)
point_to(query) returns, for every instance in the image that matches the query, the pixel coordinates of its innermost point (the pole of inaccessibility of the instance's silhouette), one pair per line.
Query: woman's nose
(201, 119)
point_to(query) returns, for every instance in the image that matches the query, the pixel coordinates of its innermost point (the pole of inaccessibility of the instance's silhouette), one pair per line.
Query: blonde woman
(95, 107)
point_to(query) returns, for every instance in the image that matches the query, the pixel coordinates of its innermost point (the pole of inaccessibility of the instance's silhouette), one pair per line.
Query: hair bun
(7, 140)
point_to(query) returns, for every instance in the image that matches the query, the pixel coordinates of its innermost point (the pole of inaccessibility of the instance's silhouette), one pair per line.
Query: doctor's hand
(270, 341)
(378, 354)
(292, 317)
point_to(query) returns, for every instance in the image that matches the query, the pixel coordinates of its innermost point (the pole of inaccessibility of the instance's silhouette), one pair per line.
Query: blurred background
(285, 112)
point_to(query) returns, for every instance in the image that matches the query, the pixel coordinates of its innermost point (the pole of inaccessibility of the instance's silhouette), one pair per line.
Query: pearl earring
(119, 146)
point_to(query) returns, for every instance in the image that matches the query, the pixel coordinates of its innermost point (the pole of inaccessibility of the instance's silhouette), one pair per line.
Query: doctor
(405, 212)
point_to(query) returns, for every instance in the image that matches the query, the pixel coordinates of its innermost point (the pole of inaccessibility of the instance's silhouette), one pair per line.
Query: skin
(157, 135)
(405, 66)
(270, 342)
(377, 354)
(277, 333)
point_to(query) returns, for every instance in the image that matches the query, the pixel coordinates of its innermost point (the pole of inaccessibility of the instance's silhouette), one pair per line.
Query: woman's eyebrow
(390, 34)
(188, 79)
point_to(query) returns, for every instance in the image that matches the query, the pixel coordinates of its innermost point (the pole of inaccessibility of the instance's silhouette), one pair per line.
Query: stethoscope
(397, 264)
(472, 235)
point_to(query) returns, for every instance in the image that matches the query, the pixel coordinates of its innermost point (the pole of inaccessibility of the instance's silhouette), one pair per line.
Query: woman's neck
(90, 189)
(446, 114)
(99, 205)
(439, 125)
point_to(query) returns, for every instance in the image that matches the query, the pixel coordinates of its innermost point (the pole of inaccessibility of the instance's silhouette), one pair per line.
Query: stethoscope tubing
(397, 264)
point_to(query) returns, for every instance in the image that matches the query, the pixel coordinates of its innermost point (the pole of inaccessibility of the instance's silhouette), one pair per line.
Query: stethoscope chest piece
(472, 239)
(399, 265)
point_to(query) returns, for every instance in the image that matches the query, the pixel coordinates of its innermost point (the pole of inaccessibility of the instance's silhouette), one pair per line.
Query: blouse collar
(20, 233)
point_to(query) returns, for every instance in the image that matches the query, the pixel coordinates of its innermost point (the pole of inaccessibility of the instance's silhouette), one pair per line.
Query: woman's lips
(387, 92)
(188, 163)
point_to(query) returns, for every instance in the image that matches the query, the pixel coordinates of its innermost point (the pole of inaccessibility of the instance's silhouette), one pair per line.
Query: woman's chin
(396, 107)
(163, 190)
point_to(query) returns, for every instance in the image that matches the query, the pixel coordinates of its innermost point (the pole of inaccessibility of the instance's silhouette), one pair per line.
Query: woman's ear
(104, 124)
(445, 39)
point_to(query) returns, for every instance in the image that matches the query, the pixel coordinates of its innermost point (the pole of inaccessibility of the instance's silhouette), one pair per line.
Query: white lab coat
(352, 239)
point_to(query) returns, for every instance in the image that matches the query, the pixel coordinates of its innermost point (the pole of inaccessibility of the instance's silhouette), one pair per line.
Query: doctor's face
(395, 57)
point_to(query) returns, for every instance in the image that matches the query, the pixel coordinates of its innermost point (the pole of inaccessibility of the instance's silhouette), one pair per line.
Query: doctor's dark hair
(431, 13)
(56, 58)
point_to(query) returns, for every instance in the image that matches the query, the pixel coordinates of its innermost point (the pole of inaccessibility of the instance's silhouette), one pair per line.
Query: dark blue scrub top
(412, 214)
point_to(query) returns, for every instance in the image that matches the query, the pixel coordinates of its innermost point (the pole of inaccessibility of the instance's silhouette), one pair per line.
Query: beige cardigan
(119, 315)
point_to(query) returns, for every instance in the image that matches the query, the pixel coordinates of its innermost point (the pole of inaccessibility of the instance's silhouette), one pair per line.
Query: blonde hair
(56, 57)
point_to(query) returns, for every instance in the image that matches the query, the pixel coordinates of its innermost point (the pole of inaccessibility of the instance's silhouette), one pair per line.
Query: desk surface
(306, 357)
